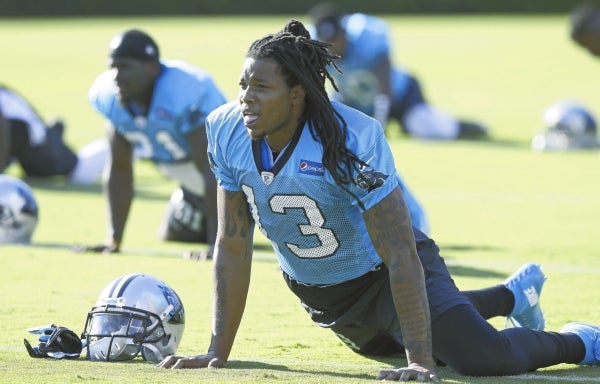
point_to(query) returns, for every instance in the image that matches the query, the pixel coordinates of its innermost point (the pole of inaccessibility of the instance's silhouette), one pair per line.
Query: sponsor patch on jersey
(311, 168)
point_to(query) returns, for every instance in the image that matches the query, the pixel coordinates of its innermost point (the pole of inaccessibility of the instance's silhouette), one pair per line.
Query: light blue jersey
(316, 228)
(367, 42)
(182, 99)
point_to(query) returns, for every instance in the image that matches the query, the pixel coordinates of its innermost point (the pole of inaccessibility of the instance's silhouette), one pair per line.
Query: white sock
(90, 164)
(427, 122)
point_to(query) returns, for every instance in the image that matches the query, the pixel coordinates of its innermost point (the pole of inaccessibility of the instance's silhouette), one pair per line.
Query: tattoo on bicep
(237, 221)
(390, 227)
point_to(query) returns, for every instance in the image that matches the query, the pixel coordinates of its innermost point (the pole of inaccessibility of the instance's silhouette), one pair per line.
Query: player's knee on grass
(184, 219)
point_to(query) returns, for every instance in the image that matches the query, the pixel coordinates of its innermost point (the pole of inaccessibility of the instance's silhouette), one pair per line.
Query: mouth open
(249, 118)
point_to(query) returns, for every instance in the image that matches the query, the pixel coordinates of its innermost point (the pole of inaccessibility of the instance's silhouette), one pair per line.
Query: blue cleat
(526, 285)
(590, 335)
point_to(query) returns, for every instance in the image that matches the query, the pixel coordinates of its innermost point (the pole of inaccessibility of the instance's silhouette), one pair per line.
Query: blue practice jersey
(182, 99)
(367, 42)
(316, 228)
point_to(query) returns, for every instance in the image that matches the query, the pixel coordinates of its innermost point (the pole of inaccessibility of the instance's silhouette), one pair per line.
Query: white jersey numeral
(280, 204)
(144, 148)
(167, 141)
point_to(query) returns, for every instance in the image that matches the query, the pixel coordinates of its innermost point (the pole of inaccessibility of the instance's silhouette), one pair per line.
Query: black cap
(326, 18)
(134, 44)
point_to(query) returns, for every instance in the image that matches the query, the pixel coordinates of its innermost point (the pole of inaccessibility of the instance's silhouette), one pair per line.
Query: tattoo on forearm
(392, 235)
(220, 295)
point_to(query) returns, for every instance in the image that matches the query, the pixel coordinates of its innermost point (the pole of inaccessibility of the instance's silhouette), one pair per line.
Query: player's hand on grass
(199, 254)
(413, 372)
(200, 361)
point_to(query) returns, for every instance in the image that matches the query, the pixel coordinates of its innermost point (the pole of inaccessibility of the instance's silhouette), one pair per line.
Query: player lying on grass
(318, 179)
(39, 147)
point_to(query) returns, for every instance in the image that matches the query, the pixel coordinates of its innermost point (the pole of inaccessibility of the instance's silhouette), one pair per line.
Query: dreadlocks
(304, 62)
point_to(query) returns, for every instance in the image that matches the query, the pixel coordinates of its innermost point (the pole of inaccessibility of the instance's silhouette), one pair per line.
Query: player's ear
(298, 94)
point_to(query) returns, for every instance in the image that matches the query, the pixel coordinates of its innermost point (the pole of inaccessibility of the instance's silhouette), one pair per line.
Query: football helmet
(136, 314)
(567, 125)
(18, 211)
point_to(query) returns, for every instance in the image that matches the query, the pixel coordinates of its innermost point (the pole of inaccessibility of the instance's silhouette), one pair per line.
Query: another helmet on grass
(136, 314)
(18, 211)
(567, 125)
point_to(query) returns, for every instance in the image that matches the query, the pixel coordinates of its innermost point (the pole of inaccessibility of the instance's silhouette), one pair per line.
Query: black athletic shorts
(51, 158)
(362, 309)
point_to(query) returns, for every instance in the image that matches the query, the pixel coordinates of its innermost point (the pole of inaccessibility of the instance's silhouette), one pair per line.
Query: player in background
(39, 147)
(156, 109)
(371, 83)
(318, 180)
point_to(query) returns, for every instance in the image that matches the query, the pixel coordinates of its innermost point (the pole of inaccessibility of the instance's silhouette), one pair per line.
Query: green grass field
(492, 205)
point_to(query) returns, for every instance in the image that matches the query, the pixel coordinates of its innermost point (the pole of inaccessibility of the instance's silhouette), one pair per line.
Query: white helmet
(135, 314)
(567, 125)
(18, 211)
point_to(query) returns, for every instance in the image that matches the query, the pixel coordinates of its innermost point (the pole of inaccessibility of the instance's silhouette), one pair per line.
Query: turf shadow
(233, 364)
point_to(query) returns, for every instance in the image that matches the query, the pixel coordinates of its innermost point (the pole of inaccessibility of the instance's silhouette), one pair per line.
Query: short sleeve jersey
(183, 97)
(315, 226)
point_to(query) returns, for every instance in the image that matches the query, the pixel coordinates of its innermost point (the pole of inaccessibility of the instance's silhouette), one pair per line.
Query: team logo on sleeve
(369, 179)
(311, 168)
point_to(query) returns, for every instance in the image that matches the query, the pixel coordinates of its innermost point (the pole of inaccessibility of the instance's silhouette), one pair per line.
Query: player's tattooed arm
(390, 230)
(238, 225)
(231, 269)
